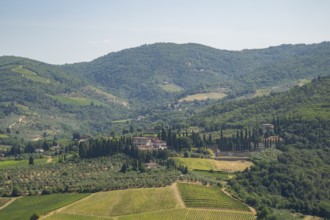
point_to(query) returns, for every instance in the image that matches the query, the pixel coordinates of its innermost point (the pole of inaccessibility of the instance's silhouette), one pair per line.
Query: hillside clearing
(203, 96)
(30, 75)
(171, 88)
(78, 101)
(215, 165)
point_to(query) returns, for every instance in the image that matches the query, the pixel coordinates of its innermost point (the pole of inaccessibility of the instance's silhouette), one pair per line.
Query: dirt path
(17, 122)
(8, 203)
(178, 195)
(50, 159)
(64, 207)
(251, 208)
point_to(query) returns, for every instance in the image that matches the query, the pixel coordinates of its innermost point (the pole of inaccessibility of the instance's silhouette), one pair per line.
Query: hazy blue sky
(67, 31)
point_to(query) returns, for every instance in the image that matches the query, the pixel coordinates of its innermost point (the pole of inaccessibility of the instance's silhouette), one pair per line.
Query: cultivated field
(171, 214)
(125, 202)
(203, 96)
(23, 208)
(20, 163)
(196, 196)
(215, 175)
(155, 203)
(216, 165)
(79, 101)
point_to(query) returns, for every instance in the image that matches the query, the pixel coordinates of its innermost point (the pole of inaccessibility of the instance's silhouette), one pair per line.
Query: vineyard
(195, 195)
(23, 208)
(156, 203)
(125, 202)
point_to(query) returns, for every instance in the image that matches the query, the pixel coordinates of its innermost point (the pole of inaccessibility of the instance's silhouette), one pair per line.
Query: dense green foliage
(145, 81)
(296, 179)
(76, 175)
(196, 68)
(310, 101)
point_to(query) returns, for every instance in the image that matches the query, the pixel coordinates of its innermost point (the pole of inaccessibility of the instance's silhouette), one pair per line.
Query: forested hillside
(158, 82)
(309, 102)
(296, 175)
(141, 74)
(40, 100)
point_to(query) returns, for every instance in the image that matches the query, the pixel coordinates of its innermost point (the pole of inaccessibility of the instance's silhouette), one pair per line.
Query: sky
(69, 31)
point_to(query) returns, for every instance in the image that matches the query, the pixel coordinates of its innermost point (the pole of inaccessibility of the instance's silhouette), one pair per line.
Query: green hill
(57, 99)
(141, 73)
(308, 102)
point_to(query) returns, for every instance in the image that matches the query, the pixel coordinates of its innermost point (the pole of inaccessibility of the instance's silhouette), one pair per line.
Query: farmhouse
(274, 139)
(39, 150)
(149, 143)
(267, 127)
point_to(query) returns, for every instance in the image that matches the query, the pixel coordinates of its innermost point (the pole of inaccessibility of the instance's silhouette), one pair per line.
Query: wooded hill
(58, 99)
(308, 102)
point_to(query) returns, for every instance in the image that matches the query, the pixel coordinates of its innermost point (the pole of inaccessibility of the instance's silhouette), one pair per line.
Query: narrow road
(8, 203)
(64, 207)
(178, 195)
(251, 208)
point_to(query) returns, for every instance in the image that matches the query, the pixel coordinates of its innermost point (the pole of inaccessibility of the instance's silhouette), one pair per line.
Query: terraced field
(208, 197)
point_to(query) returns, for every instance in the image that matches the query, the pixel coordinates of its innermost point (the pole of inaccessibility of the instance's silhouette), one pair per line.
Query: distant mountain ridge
(89, 96)
(139, 73)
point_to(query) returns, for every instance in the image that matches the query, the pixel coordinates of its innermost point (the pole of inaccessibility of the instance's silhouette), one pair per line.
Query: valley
(167, 131)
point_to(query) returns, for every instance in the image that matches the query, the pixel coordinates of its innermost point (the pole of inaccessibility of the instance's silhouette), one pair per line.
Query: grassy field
(20, 163)
(171, 88)
(3, 136)
(303, 82)
(79, 101)
(215, 165)
(24, 207)
(262, 92)
(125, 202)
(196, 196)
(203, 96)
